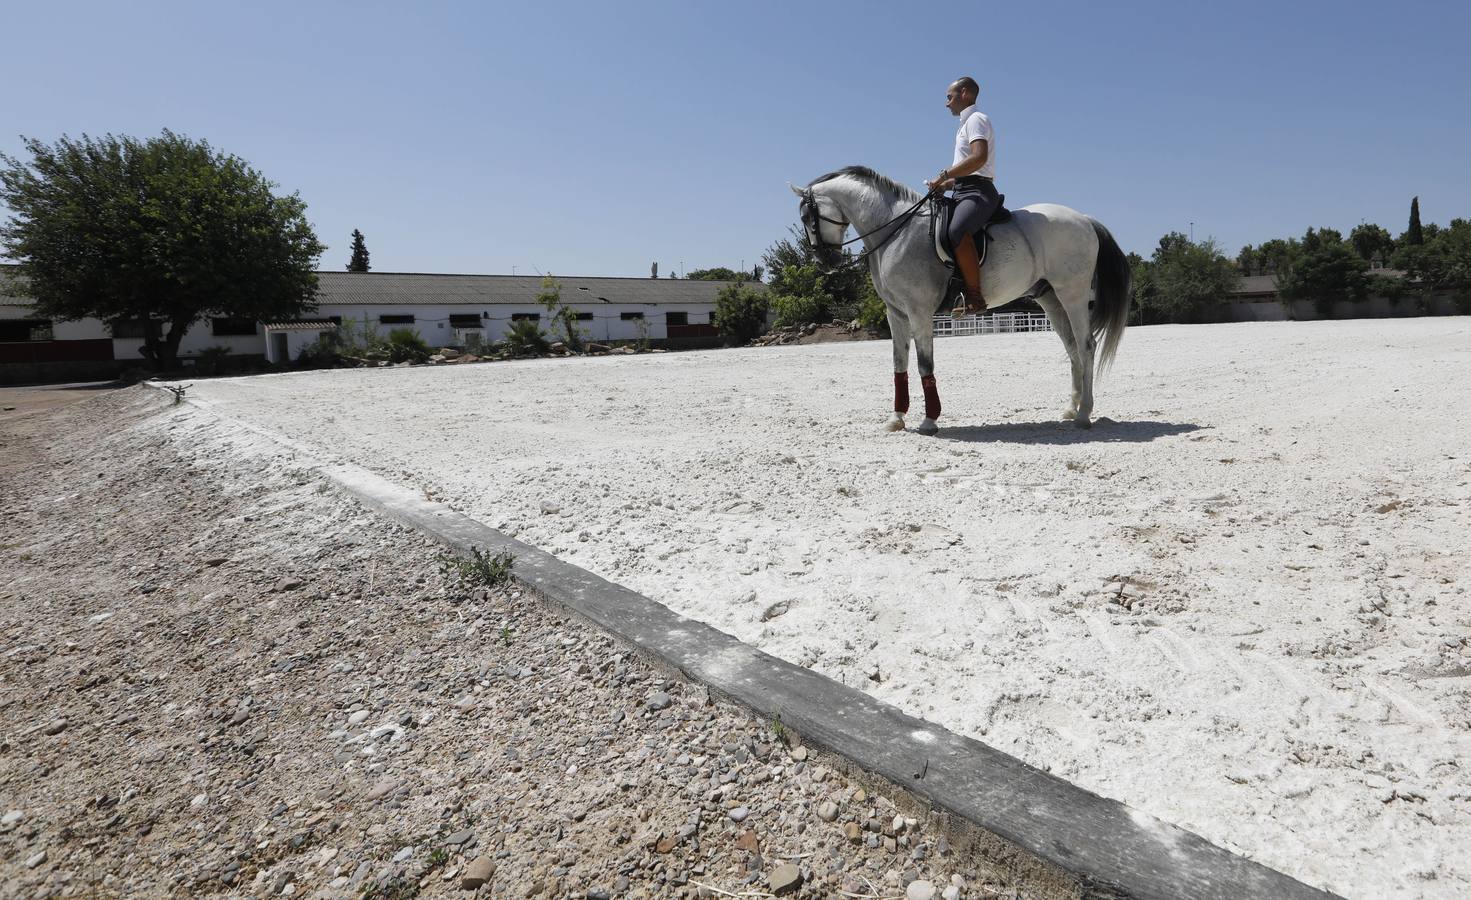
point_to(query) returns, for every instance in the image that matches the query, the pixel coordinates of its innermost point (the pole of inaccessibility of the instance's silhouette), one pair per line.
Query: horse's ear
(796, 190)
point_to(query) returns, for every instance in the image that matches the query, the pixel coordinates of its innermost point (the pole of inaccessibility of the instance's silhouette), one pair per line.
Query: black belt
(972, 179)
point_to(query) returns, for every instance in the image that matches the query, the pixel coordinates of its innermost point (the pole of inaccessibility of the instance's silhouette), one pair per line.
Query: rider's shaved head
(966, 84)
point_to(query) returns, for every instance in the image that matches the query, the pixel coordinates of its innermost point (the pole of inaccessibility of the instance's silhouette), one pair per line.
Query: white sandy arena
(1237, 603)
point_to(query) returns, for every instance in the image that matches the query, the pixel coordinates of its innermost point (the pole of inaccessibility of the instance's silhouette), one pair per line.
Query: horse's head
(824, 224)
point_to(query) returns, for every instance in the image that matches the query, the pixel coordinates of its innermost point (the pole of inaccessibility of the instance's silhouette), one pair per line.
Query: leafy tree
(550, 298)
(873, 314)
(1277, 255)
(1328, 271)
(1415, 235)
(1248, 260)
(740, 312)
(359, 261)
(841, 290)
(799, 296)
(1184, 281)
(166, 230)
(1372, 243)
(719, 273)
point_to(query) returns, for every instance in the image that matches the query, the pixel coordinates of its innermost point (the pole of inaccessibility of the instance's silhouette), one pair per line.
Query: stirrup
(964, 307)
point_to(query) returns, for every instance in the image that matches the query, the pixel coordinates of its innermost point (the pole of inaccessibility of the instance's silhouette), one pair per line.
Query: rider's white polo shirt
(975, 125)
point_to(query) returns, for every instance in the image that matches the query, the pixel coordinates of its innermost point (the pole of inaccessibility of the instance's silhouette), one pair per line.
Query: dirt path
(218, 676)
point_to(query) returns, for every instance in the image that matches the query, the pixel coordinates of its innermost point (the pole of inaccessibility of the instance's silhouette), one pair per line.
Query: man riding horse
(972, 176)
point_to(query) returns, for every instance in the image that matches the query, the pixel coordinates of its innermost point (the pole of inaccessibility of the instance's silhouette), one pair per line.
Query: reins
(810, 200)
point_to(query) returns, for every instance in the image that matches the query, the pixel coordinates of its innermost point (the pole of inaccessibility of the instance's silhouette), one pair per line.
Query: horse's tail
(1111, 300)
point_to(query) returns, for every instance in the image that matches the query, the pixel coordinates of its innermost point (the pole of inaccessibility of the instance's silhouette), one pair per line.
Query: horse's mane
(864, 173)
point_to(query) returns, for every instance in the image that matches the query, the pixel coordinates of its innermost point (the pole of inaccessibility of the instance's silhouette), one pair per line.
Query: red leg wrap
(901, 392)
(931, 397)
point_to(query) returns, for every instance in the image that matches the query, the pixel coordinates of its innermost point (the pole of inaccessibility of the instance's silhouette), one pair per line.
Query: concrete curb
(1055, 837)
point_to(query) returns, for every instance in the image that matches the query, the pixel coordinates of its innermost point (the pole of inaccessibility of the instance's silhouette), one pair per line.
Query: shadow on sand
(1104, 431)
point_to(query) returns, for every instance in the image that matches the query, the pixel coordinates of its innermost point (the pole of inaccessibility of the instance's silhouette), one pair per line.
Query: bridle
(811, 216)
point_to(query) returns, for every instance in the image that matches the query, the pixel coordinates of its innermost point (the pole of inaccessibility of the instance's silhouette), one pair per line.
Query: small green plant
(480, 569)
(778, 729)
(506, 636)
(439, 857)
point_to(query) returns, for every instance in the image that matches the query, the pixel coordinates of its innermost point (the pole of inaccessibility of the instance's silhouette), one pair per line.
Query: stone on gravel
(919, 890)
(383, 788)
(785, 879)
(56, 727)
(358, 717)
(827, 811)
(659, 700)
(739, 814)
(478, 873)
(747, 842)
(951, 893)
(460, 837)
(11, 819)
(33, 861)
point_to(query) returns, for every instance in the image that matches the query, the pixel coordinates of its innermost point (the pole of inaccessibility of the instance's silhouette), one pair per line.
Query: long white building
(443, 309)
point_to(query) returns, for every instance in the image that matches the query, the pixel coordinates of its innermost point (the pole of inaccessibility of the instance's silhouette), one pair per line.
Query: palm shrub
(405, 345)
(525, 338)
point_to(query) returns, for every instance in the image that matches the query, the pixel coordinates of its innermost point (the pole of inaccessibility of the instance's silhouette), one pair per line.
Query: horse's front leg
(899, 331)
(924, 348)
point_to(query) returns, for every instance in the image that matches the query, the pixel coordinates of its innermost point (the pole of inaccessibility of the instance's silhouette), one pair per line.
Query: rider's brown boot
(970, 270)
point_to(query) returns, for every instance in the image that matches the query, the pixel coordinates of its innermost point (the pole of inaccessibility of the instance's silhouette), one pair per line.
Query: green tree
(359, 261)
(838, 293)
(719, 273)
(1277, 255)
(1249, 260)
(1372, 243)
(1328, 271)
(1414, 235)
(561, 316)
(164, 230)
(740, 312)
(1184, 281)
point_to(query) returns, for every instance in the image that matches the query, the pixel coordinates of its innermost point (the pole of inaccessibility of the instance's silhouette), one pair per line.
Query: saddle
(940, 228)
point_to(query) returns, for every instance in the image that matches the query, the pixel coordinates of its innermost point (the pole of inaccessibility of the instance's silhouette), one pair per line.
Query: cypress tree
(359, 261)
(1415, 235)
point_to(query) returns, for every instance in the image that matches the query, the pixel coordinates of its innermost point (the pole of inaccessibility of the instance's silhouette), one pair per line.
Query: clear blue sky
(594, 138)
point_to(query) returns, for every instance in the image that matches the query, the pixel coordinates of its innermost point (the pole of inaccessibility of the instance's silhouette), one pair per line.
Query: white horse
(1066, 261)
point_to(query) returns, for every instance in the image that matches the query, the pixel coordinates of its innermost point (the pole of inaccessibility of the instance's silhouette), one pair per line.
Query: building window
(631, 317)
(525, 317)
(464, 320)
(584, 317)
(676, 318)
(17, 330)
(395, 320)
(133, 328)
(232, 327)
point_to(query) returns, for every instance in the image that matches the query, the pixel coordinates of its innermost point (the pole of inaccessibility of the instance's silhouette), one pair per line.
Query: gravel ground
(1238, 603)
(219, 676)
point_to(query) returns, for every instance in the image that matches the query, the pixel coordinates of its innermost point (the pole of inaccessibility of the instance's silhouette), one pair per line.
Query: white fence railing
(995, 323)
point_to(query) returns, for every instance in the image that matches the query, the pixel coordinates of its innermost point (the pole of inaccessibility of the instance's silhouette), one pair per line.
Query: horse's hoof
(1083, 422)
(1069, 415)
(928, 428)
(894, 424)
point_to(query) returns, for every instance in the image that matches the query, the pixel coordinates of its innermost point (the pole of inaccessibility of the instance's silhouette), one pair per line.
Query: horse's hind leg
(924, 348)
(1075, 301)
(1063, 326)
(899, 330)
